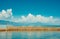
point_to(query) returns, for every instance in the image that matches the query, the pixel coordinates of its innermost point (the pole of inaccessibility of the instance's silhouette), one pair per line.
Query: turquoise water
(29, 35)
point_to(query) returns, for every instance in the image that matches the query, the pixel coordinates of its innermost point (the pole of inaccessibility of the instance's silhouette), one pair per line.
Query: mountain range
(3, 22)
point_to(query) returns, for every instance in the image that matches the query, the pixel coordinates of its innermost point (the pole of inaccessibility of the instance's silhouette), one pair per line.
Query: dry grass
(11, 28)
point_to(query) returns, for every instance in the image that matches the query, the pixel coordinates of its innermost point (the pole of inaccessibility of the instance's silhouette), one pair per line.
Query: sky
(31, 11)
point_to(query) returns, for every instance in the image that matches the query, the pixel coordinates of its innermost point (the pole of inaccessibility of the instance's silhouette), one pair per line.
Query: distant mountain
(3, 22)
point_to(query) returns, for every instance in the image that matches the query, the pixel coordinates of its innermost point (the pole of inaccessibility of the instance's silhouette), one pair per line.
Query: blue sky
(23, 7)
(31, 11)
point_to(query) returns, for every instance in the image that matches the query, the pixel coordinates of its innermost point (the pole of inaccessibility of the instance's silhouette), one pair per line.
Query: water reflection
(3, 35)
(29, 35)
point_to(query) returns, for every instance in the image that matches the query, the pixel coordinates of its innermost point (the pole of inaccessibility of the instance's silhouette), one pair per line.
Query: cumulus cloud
(7, 14)
(38, 18)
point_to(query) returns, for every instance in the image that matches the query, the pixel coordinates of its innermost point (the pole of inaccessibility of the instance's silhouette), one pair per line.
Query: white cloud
(7, 15)
(38, 18)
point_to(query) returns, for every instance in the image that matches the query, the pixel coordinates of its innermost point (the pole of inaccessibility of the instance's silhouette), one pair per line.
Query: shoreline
(29, 29)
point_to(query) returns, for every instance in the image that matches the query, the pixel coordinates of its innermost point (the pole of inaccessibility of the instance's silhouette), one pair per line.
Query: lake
(30, 35)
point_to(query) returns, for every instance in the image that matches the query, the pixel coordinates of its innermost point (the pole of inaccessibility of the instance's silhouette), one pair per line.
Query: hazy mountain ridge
(3, 22)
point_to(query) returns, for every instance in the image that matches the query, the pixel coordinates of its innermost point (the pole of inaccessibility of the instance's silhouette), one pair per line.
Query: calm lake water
(30, 35)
